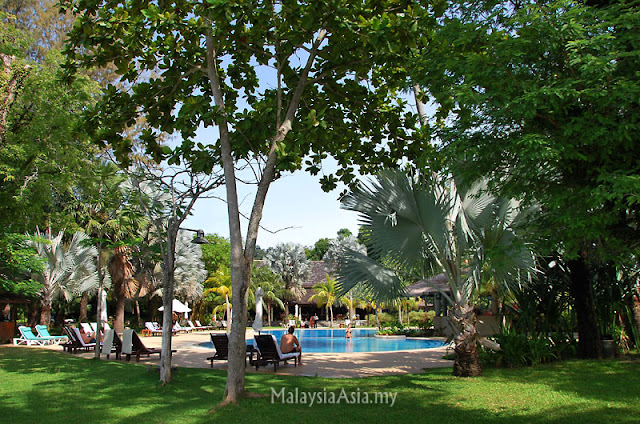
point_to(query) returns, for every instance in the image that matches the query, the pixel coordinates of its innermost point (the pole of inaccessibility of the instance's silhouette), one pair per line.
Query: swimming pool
(334, 341)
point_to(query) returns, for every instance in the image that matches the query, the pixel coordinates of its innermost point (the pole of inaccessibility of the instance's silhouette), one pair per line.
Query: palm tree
(327, 294)
(435, 226)
(290, 262)
(67, 269)
(221, 292)
(272, 286)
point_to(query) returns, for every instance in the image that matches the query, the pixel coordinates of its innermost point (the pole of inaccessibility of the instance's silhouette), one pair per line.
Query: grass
(38, 386)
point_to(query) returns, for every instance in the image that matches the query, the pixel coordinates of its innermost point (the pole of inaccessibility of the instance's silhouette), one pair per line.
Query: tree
(66, 269)
(167, 196)
(216, 253)
(290, 262)
(318, 251)
(562, 132)
(338, 248)
(327, 295)
(436, 226)
(272, 287)
(18, 262)
(320, 76)
(190, 272)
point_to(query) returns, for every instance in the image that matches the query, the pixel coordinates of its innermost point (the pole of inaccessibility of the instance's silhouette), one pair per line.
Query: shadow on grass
(45, 386)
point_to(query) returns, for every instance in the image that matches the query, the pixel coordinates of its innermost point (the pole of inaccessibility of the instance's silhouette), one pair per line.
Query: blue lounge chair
(44, 333)
(28, 338)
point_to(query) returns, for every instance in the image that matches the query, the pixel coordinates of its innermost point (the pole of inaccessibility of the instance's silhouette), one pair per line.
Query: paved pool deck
(333, 365)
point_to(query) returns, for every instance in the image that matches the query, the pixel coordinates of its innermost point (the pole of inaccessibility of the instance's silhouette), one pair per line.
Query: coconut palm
(221, 292)
(327, 295)
(272, 286)
(435, 226)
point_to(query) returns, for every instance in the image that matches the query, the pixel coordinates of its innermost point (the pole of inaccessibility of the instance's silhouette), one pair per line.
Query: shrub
(521, 349)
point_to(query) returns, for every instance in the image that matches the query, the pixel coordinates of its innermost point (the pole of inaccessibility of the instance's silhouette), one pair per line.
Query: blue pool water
(363, 340)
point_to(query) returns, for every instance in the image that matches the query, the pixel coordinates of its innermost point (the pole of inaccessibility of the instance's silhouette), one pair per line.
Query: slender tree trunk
(84, 303)
(466, 337)
(331, 310)
(589, 343)
(241, 259)
(138, 313)
(377, 318)
(167, 300)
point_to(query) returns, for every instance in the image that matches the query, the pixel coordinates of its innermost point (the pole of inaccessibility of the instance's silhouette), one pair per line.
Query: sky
(296, 210)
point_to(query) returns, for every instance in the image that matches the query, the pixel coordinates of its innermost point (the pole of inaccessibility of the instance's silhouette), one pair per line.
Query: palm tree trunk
(331, 309)
(45, 309)
(377, 318)
(467, 361)
(84, 303)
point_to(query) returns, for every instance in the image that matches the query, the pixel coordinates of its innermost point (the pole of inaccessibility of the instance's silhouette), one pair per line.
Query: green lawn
(41, 386)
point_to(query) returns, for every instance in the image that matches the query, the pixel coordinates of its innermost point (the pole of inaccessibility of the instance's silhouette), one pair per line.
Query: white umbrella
(296, 313)
(257, 323)
(177, 307)
(186, 314)
(103, 307)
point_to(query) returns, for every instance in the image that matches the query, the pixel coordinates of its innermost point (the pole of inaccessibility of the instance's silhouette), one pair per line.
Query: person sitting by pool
(289, 344)
(348, 332)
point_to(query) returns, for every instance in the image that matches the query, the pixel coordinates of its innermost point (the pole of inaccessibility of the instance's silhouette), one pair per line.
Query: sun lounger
(112, 344)
(132, 345)
(206, 327)
(152, 329)
(221, 344)
(28, 338)
(44, 333)
(72, 345)
(86, 327)
(81, 342)
(195, 327)
(269, 352)
(177, 328)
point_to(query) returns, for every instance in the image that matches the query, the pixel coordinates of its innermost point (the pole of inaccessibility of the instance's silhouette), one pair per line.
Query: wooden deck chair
(81, 342)
(112, 344)
(269, 352)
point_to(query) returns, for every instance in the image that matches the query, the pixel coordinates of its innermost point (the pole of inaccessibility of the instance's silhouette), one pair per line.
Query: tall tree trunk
(377, 318)
(121, 272)
(84, 304)
(167, 301)
(140, 320)
(466, 337)
(589, 343)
